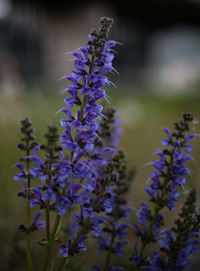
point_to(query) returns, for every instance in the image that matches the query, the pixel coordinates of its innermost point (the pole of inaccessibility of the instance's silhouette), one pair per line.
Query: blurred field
(143, 117)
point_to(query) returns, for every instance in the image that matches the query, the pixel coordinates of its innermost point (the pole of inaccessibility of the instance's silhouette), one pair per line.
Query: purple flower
(37, 223)
(64, 250)
(143, 214)
(19, 176)
(95, 223)
(118, 246)
(80, 245)
(62, 203)
(49, 195)
(166, 142)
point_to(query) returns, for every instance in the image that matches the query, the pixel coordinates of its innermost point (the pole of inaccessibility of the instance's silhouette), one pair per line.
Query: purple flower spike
(169, 173)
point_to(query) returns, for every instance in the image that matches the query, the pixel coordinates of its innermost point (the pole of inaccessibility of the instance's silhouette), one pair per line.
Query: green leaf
(43, 242)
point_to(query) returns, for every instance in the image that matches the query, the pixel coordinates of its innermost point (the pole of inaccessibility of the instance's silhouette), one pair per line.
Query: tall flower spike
(81, 130)
(27, 145)
(47, 171)
(169, 174)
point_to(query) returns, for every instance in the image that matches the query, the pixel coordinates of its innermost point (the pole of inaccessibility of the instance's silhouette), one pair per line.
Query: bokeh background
(159, 66)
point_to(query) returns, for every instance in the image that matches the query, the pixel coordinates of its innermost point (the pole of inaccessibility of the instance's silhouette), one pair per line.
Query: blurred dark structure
(33, 35)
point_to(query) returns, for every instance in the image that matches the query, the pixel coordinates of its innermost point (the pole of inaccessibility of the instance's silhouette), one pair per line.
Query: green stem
(109, 253)
(48, 223)
(55, 227)
(28, 251)
(28, 239)
(62, 264)
(58, 222)
(59, 227)
(49, 246)
(47, 251)
(45, 258)
(52, 266)
(81, 232)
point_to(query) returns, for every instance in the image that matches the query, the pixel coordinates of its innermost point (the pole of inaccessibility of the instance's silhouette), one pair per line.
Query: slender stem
(109, 253)
(48, 202)
(28, 239)
(45, 258)
(47, 251)
(28, 250)
(48, 248)
(58, 222)
(62, 264)
(55, 227)
(59, 227)
(52, 263)
(48, 223)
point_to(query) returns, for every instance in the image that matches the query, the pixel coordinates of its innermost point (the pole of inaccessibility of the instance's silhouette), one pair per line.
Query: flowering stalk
(27, 131)
(114, 231)
(27, 144)
(170, 172)
(90, 68)
(49, 170)
(90, 64)
(51, 157)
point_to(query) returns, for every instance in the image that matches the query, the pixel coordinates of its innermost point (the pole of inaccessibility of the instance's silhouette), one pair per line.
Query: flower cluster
(169, 174)
(82, 131)
(27, 173)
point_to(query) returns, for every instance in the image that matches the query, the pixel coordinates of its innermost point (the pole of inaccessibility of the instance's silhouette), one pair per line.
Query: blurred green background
(159, 65)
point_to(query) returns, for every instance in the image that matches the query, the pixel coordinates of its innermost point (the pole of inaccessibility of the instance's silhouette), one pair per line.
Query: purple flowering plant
(78, 180)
